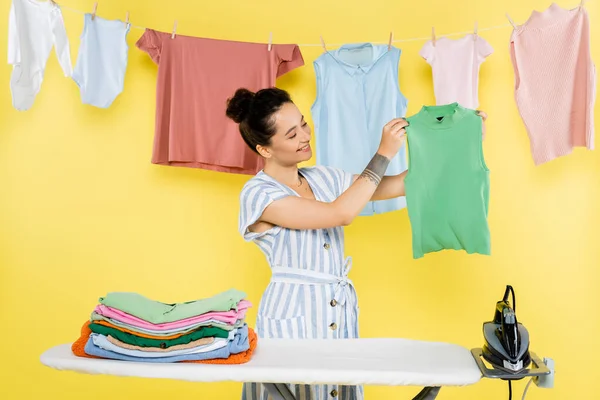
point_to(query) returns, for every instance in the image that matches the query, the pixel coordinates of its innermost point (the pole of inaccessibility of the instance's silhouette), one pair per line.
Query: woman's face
(290, 143)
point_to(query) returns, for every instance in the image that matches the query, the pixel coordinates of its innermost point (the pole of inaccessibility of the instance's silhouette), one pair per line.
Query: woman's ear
(263, 151)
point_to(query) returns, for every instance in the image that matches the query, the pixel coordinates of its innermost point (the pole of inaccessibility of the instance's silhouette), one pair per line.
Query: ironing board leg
(428, 393)
(279, 391)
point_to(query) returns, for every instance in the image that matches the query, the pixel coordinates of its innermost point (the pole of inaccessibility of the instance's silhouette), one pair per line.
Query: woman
(296, 217)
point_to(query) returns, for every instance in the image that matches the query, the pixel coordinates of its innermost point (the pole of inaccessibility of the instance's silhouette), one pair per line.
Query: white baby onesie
(102, 60)
(33, 28)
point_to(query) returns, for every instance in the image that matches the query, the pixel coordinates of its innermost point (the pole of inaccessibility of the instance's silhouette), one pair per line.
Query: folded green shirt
(161, 343)
(160, 313)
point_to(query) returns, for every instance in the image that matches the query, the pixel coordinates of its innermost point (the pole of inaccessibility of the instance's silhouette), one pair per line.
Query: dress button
(333, 326)
(333, 303)
(334, 393)
(326, 246)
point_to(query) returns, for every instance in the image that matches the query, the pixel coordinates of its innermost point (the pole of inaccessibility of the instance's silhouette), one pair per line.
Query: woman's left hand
(483, 116)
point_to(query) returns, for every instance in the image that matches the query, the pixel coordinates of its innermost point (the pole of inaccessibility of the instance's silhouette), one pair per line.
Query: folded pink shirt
(228, 317)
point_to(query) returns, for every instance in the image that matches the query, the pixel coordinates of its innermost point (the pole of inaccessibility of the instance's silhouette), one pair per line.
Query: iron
(506, 340)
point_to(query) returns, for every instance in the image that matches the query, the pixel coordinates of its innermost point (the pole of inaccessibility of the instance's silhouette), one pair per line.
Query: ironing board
(391, 362)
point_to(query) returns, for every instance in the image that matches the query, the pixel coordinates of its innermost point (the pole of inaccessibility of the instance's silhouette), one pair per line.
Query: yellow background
(83, 212)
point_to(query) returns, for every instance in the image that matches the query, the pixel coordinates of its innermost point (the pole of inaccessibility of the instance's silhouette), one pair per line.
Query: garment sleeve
(338, 179)
(484, 49)
(256, 196)
(346, 178)
(427, 52)
(151, 43)
(61, 42)
(289, 58)
(14, 52)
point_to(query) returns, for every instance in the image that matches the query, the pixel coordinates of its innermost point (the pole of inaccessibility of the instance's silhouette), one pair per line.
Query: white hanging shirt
(34, 28)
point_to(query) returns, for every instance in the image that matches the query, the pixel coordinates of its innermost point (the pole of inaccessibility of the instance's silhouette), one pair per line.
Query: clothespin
(174, 29)
(323, 44)
(433, 35)
(53, 2)
(511, 21)
(582, 3)
(391, 40)
(94, 11)
(475, 32)
(270, 40)
(127, 18)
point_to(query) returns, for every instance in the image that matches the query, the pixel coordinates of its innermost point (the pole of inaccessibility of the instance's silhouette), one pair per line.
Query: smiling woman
(296, 217)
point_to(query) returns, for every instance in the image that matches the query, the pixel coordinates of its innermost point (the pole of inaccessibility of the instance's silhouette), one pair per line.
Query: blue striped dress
(309, 295)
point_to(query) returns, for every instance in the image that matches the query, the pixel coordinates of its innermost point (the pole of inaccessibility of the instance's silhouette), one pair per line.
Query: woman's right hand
(392, 137)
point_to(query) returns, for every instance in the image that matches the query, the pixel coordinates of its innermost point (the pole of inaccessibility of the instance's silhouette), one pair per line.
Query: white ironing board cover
(393, 362)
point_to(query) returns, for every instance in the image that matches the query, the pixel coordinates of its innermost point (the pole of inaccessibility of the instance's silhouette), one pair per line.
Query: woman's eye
(293, 136)
(304, 124)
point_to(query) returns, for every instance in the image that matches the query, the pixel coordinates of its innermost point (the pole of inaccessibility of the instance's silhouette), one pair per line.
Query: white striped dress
(310, 295)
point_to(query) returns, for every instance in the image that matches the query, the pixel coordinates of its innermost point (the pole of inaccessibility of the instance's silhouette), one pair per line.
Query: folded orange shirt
(241, 358)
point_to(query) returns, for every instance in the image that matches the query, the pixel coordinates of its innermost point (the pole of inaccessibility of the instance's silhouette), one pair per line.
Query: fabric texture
(309, 271)
(455, 65)
(228, 317)
(99, 321)
(196, 76)
(190, 345)
(78, 349)
(155, 312)
(103, 343)
(140, 341)
(170, 332)
(34, 27)
(237, 345)
(447, 185)
(101, 61)
(357, 94)
(555, 81)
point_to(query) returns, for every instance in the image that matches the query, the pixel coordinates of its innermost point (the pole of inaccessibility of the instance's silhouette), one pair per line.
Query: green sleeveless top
(447, 184)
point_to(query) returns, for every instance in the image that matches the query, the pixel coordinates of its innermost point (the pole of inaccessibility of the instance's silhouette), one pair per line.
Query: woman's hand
(392, 137)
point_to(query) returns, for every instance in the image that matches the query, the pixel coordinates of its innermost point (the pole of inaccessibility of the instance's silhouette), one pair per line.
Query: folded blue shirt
(239, 344)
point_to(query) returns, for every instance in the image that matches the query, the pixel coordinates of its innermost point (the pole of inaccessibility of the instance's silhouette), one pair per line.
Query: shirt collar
(378, 52)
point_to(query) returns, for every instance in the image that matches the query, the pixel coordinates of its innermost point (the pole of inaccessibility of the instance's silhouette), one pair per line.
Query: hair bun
(239, 105)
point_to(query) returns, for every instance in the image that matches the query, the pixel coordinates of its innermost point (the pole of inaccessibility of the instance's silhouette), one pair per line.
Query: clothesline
(341, 44)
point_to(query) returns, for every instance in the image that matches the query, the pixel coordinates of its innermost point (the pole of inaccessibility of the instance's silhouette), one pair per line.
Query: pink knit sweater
(555, 81)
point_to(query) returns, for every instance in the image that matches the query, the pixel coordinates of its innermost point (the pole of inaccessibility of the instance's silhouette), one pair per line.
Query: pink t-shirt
(455, 66)
(555, 81)
(196, 76)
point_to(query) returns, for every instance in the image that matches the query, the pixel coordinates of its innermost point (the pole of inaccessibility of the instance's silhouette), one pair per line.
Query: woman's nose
(306, 133)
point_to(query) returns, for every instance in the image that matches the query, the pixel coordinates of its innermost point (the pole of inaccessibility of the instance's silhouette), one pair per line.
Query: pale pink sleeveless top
(555, 81)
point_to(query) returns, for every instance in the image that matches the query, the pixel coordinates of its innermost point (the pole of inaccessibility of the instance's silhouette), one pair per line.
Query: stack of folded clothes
(130, 327)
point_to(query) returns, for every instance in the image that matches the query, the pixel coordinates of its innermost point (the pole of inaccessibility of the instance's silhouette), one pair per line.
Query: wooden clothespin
(582, 3)
(127, 18)
(391, 40)
(475, 32)
(270, 40)
(511, 21)
(53, 2)
(433, 35)
(94, 11)
(323, 44)
(174, 29)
